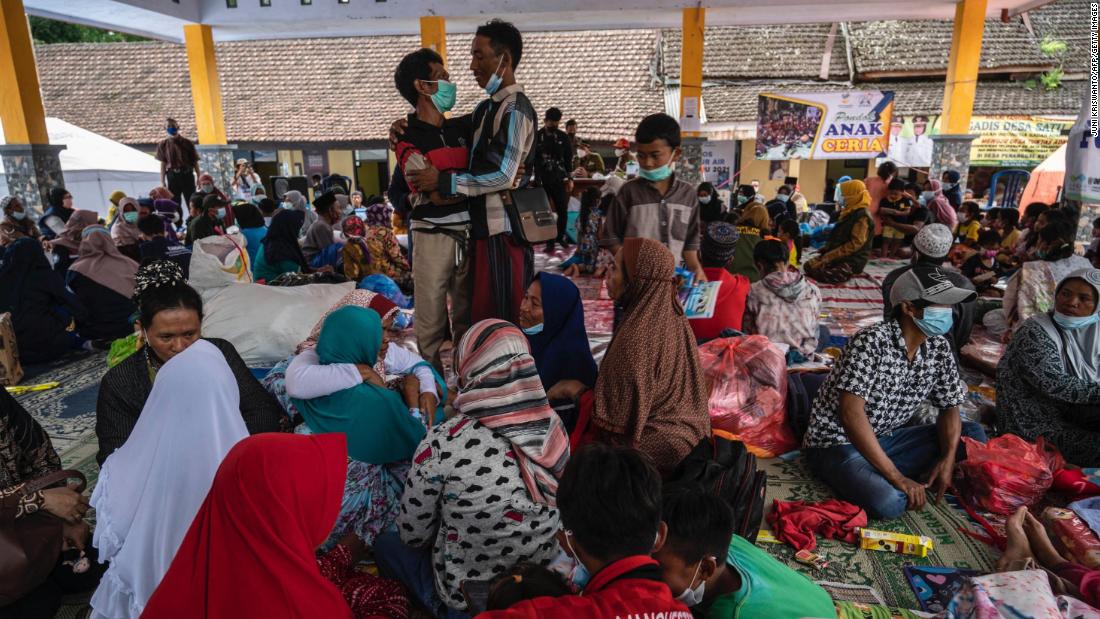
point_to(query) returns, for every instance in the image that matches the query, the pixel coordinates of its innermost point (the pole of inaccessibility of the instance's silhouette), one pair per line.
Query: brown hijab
(70, 236)
(101, 262)
(757, 217)
(654, 397)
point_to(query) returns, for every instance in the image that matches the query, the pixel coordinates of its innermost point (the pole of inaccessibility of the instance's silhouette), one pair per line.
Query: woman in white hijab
(295, 200)
(1048, 382)
(150, 489)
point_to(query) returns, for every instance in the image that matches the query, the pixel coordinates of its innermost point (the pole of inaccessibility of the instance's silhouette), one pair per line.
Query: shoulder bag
(531, 215)
(528, 209)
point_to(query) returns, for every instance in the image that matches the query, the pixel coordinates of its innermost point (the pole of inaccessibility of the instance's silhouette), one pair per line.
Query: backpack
(802, 388)
(726, 469)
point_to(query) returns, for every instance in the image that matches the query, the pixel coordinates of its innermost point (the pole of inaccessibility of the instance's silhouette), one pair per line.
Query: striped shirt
(503, 139)
(639, 210)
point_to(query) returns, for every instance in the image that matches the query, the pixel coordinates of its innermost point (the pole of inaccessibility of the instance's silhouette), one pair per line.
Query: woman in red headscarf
(250, 550)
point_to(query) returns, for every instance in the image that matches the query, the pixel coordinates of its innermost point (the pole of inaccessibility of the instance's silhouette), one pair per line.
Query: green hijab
(376, 421)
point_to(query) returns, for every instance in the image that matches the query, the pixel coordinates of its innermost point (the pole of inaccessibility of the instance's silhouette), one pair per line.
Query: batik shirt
(875, 366)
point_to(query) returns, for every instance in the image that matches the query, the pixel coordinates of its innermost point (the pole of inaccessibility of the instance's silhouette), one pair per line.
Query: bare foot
(1040, 543)
(1018, 548)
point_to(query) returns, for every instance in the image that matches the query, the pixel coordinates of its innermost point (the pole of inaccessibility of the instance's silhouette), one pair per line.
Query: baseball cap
(242, 160)
(928, 284)
(622, 143)
(934, 240)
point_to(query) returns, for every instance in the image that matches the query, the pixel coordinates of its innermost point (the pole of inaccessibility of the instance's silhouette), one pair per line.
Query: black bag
(531, 215)
(802, 388)
(726, 469)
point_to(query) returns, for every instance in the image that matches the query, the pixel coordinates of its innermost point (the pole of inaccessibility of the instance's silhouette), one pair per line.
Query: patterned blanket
(792, 481)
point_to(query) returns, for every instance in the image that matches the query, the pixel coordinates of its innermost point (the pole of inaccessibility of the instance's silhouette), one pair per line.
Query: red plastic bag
(747, 380)
(1007, 472)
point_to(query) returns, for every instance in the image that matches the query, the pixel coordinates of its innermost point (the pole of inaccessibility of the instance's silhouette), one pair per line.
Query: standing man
(553, 154)
(440, 228)
(179, 163)
(504, 127)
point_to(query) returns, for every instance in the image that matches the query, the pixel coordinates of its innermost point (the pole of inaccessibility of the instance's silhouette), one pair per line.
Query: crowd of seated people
(535, 482)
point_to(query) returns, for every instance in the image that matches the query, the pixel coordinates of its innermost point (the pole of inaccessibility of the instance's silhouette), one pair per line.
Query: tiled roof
(923, 46)
(737, 103)
(791, 51)
(1068, 21)
(340, 89)
(917, 47)
(120, 90)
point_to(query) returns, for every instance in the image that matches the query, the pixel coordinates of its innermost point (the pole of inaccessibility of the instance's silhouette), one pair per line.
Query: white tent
(95, 166)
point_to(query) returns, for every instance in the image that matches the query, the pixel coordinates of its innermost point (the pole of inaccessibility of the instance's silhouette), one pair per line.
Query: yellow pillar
(206, 89)
(433, 34)
(21, 109)
(691, 63)
(962, 66)
(794, 168)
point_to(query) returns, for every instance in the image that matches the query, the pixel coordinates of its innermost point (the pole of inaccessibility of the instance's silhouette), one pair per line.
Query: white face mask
(619, 152)
(580, 153)
(693, 596)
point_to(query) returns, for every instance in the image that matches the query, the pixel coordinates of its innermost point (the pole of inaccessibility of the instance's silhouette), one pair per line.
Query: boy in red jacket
(609, 499)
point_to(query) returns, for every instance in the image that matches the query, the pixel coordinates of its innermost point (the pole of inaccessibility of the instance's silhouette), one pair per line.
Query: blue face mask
(936, 321)
(741, 199)
(495, 81)
(445, 95)
(1073, 323)
(221, 213)
(580, 575)
(782, 197)
(656, 174)
(173, 131)
(534, 329)
(19, 215)
(131, 217)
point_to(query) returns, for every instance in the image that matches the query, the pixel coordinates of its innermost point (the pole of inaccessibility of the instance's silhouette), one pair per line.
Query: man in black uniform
(553, 154)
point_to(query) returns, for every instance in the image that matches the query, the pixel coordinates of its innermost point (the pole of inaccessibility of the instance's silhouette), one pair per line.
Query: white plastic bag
(266, 323)
(218, 261)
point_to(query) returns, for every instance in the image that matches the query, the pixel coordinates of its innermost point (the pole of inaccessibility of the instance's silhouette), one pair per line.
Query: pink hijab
(70, 236)
(101, 262)
(362, 298)
(941, 208)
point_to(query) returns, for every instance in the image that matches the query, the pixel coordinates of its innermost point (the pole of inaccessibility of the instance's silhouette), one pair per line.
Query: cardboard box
(900, 543)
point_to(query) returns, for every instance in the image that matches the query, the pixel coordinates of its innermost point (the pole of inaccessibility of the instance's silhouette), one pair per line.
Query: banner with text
(825, 125)
(1003, 141)
(719, 159)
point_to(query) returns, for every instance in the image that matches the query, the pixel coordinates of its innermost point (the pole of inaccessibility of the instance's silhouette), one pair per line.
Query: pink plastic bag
(747, 379)
(1007, 472)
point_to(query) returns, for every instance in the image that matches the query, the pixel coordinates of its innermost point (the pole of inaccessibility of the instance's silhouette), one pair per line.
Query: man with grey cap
(930, 248)
(856, 441)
